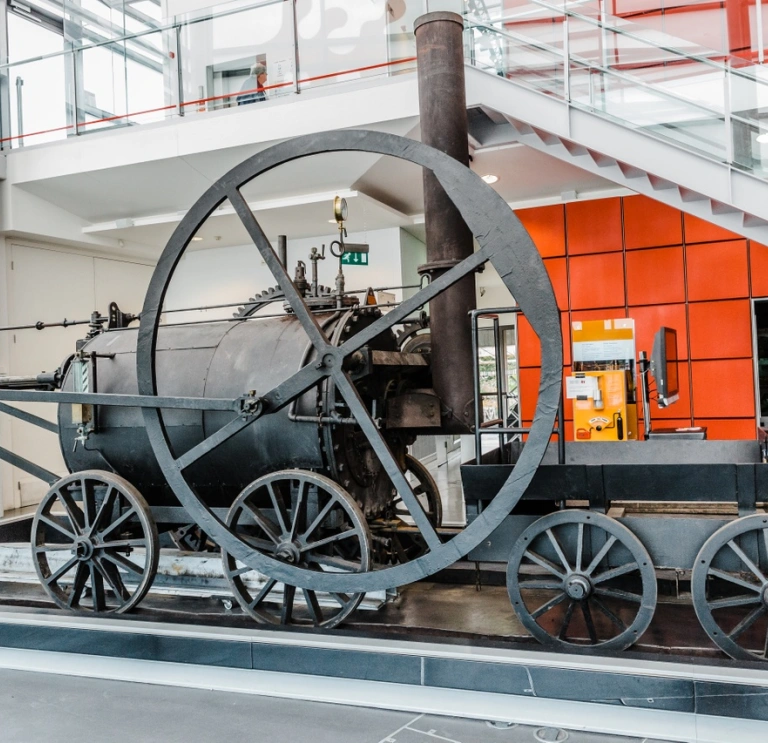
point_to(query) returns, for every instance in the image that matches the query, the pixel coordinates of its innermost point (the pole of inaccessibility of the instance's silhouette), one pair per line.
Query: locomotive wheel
(730, 588)
(303, 519)
(581, 580)
(85, 529)
(503, 242)
(425, 489)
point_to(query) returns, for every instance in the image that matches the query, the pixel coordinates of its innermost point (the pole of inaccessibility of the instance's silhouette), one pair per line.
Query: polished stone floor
(36, 707)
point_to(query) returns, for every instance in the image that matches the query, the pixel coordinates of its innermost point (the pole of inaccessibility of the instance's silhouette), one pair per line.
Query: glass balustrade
(208, 60)
(664, 86)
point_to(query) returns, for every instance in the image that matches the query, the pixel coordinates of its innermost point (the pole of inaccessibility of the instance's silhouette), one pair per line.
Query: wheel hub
(577, 587)
(288, 552)
(83, 548)
(764, 595)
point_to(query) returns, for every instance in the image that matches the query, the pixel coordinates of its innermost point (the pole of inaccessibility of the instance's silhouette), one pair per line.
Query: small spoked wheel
(94, 543)
(730, 588)
(580, 580)
(425, 489)
(306, 520)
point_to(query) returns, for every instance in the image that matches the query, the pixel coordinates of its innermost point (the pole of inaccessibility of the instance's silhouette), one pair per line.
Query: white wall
(233, 274)
(50, 283)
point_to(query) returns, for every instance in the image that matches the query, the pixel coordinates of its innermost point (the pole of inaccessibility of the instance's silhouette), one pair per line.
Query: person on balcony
(253, 88)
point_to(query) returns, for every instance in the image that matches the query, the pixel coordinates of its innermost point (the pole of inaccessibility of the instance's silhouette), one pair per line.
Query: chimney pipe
(443, 113)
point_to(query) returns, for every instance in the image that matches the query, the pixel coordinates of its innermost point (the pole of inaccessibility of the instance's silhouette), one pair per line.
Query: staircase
(647, 111)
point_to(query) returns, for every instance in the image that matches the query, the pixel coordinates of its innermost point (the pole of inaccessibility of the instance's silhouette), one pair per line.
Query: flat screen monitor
(664, 366)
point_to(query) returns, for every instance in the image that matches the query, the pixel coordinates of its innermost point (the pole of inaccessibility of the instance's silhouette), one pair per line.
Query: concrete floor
(36, 707)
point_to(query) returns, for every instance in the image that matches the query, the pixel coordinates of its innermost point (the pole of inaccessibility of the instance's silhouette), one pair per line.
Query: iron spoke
(122, 519)
(551, 604)
(266, 525)
(558, 550)
(329, 540)
(627, 567)
(308, 322)
(747, 622)
(540, 585)
(600, 555)
(214, 440)
(81, 575)
(579, 547)
(88, 505)
(282, 515)
(733, 579)
(566, 621)
(608, 613)
(74, 514)
(122, 562)
(59, 528)
(342, 598)
(331, 561)
(381, 447)
(735, 601)
(112, 575)
(289, 596)
(54, 548)
(314, 606)
(65, 568)
(587, 612)
(262, 594)
(326, 509)
(543, 562)
(615, 593)
(300, 511)
(106, 506)
(751, 565)
(97, 588)
(237, 572)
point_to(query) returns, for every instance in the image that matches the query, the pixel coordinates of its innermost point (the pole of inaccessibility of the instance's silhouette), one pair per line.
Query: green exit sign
(354, 259)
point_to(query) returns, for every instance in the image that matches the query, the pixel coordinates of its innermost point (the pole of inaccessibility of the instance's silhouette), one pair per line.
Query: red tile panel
(528, 346)
(558, 275)
(699, 231)
(649, 224)
(597, 281)
(717, 270)
(593, 226)
(529, 392)
(649, 319)
(739, 428)
(679, 409)
(655, 276)
(546, 225)
(723, 389)
(758, 257)
(720, 330)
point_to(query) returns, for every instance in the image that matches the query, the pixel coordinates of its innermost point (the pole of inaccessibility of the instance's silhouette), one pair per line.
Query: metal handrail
(139, 34)
(479, 432)
(705, 60)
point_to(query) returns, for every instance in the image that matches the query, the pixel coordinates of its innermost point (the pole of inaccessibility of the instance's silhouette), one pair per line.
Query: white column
(6, 475)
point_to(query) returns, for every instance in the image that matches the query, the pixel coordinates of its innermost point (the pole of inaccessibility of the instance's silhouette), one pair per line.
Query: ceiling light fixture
(490, 178)
(196, 239)
(763, 138)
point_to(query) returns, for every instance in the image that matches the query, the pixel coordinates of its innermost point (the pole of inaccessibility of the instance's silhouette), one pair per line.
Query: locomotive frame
(579, 554)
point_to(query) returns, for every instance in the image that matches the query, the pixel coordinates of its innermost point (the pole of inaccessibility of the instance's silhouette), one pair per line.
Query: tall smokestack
(443, 112)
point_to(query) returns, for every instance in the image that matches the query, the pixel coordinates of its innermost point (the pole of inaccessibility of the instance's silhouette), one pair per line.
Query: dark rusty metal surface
(413, 410)
(443, 123)
(503, 241)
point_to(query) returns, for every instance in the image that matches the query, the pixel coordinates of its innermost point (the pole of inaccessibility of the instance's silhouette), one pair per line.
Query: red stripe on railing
(200, 101)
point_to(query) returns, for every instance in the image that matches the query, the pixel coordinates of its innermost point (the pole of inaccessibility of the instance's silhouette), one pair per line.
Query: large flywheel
(502, 241)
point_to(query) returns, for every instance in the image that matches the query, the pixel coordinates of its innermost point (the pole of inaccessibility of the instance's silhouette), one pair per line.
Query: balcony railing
(700, 99)
(201, 64)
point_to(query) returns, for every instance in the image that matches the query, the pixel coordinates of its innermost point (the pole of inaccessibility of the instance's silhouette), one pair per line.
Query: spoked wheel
(581, 580)
(302, 519)
(507, 247)
(402, 542)
(94, 543)
(730, 588)
(425, 489)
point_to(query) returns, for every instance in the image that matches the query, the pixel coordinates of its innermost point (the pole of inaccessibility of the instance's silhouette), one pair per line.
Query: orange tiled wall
(632, 257)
